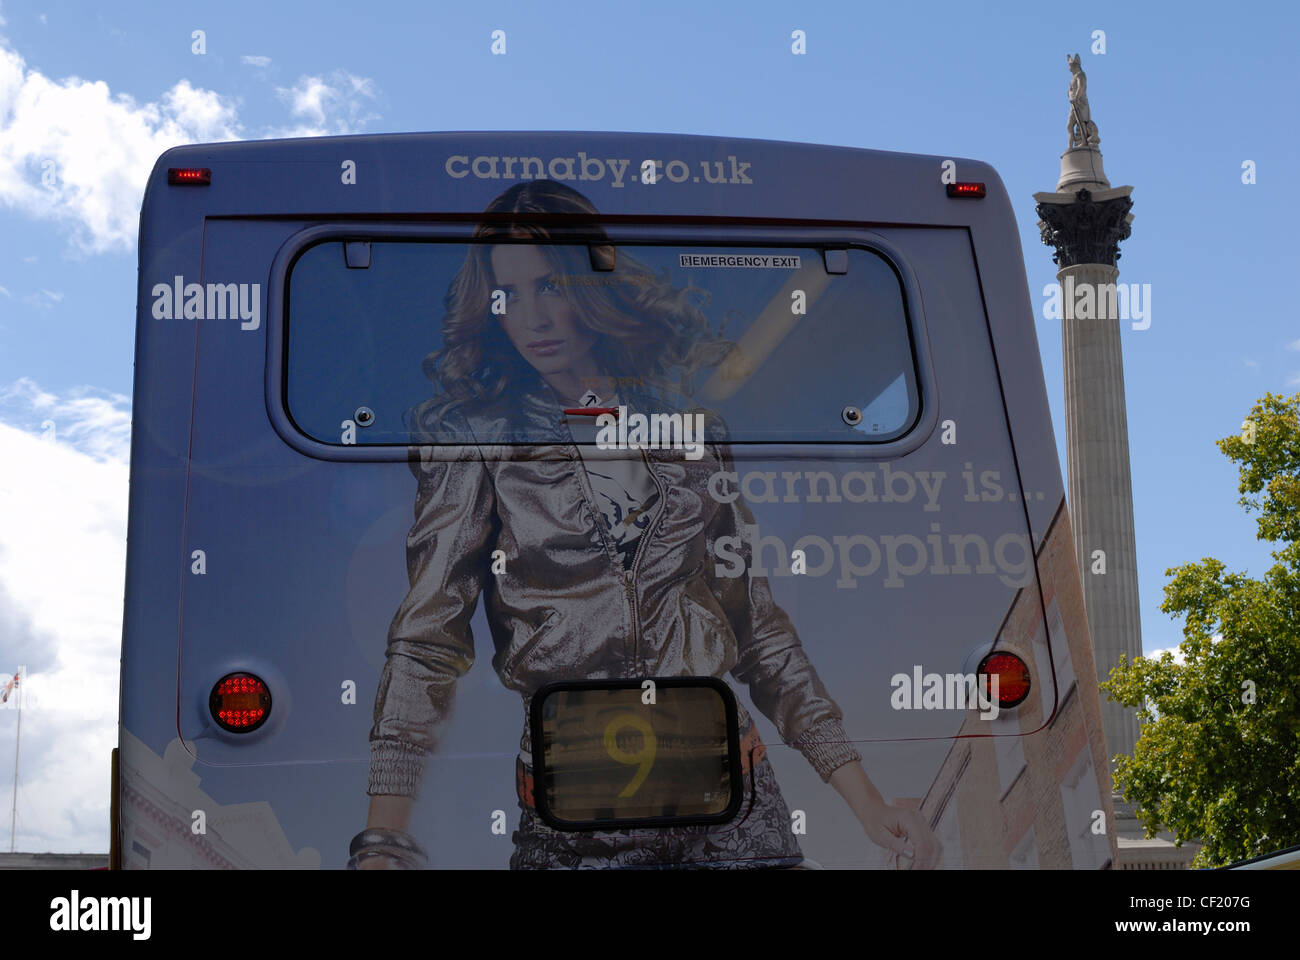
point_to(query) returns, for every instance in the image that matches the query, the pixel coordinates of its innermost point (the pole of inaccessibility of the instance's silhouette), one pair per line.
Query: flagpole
(13, 815)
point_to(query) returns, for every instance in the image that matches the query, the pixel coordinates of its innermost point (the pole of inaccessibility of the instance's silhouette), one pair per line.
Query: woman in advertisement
(591, 564)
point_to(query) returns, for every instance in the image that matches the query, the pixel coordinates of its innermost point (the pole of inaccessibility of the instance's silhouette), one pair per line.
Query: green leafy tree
(1218, 760)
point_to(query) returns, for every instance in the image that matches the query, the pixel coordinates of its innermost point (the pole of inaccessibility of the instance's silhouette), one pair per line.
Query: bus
(731, 458)
(1285, 859)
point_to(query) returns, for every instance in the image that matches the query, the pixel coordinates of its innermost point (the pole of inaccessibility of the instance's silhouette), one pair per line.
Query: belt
(752, 751)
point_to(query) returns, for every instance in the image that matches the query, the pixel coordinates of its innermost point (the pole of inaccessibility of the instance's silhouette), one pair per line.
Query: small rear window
(624, 753)
(394, 342)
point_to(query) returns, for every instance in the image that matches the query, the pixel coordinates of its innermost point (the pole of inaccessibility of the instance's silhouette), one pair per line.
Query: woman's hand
(900, 830)
(378, 863)
(386, 813)
(904, 832)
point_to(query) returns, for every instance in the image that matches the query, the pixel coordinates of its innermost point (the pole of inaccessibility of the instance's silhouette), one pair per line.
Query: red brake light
(967, 189)
(194, 176)
(240, 702)
(1012, 674)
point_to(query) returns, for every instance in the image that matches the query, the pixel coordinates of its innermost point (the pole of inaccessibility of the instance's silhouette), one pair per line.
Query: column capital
(1086, 226)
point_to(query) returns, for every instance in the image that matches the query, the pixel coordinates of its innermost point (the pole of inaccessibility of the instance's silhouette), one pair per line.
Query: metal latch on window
(356, 253)
(837, 261)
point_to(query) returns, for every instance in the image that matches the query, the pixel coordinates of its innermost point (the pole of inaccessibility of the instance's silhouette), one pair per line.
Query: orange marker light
(240, 702)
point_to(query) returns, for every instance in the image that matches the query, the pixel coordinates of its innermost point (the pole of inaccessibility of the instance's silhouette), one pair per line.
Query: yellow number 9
(644, 757)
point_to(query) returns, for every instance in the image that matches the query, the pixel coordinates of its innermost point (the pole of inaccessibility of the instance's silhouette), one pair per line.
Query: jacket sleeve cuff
(826, 746)
(395, 768)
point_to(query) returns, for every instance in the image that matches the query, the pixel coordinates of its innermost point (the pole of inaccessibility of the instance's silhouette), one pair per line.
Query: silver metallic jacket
(565, 609)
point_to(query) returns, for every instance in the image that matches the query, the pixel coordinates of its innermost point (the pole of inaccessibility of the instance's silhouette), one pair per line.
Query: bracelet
(394, 844)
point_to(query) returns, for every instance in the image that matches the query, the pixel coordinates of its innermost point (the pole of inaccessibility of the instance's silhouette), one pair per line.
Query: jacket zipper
(629, 578)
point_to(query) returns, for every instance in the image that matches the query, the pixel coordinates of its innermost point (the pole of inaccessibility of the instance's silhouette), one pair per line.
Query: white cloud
(324, 106)
(1293, 345)
(1176, 651)
(5, 291)
(1253, 364)
(254, 61)
(94, 148)
(94, 423)
(43, 299)
(74, 152)
(63, 504)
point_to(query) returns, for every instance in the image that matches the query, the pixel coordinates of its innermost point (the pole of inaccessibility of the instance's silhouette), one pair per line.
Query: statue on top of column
(1082, 131)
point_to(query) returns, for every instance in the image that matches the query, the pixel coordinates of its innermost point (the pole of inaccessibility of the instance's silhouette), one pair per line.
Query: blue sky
(1182, 96)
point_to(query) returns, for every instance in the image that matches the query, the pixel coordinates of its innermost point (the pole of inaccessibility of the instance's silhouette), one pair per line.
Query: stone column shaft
(1101, 492)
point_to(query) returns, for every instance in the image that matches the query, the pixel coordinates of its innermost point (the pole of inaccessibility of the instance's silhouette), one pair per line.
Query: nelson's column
(1085, 220)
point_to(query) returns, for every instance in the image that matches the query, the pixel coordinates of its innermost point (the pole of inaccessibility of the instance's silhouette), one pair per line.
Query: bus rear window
(413, 341)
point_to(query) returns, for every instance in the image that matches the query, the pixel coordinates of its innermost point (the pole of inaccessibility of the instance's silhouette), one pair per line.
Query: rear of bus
(375, 550)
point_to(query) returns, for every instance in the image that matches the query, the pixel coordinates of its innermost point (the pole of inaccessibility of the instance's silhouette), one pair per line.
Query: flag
(9, 686)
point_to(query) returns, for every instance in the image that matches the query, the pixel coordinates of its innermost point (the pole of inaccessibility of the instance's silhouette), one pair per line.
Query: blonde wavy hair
(645, 328)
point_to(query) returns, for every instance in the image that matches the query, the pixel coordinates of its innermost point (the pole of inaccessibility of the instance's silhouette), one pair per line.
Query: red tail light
(194, 176)
(240, 702)
(1012, 674)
